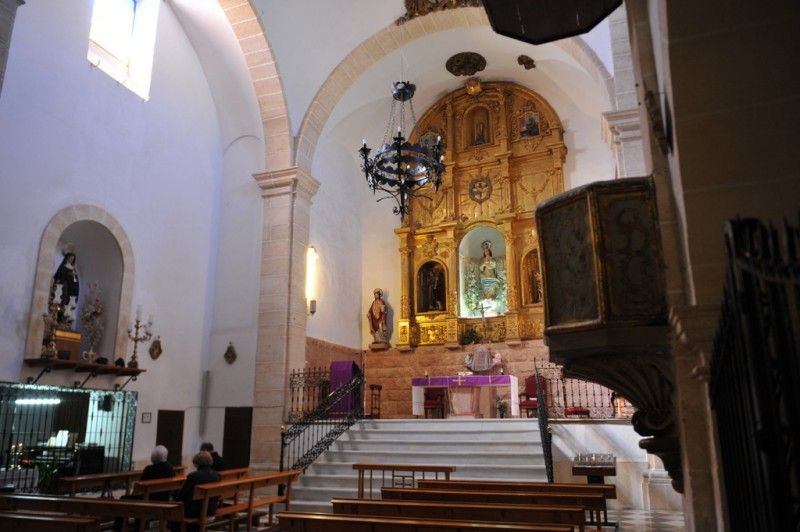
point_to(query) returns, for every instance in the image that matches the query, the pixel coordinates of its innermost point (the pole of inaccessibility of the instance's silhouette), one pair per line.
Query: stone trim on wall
(372, 50)
(44, 273)
(266, 81)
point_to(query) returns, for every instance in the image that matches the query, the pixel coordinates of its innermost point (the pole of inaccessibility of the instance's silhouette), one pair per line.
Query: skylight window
(122, 41)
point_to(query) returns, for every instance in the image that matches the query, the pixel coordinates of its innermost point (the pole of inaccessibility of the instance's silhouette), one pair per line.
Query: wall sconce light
(311, 279)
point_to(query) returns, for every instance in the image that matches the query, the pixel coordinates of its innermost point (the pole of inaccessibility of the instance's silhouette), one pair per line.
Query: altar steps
(499, 449)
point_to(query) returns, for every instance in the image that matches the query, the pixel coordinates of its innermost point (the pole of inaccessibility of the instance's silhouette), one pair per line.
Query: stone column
(286, 197)
(622, 128)
(693, 329)
(8, 11)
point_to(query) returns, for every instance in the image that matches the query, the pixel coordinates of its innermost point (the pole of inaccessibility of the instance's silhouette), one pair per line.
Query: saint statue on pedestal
(376, 317)
(65, 290)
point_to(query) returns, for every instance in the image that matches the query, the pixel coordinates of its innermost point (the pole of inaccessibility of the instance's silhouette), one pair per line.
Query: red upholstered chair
(530, 404)
(434, 402)
(579, 411)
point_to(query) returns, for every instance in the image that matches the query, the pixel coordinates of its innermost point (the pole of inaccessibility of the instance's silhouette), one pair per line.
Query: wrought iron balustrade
(47, 431)
(308, 387)
(755, 377)
(308, 437)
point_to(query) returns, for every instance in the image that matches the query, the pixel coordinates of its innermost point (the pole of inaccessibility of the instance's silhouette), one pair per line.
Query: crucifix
(483, 310)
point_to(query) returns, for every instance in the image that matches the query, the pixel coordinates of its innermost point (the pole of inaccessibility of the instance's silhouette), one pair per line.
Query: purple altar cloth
(342, 371)
(469, 380)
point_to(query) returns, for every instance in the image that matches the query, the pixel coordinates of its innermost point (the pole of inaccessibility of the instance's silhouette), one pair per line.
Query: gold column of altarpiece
(504, 154)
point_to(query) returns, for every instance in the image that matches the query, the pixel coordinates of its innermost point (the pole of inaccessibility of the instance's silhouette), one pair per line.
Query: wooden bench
(163, 512)
(147, 488)
(591, 502)
(402, 475)
(609, 491)
(507, 513)
(104, 481)
(311, 522)
(232, 488)
(22, 522)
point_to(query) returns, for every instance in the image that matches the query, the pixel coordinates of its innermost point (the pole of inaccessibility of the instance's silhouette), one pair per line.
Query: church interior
(525, 243)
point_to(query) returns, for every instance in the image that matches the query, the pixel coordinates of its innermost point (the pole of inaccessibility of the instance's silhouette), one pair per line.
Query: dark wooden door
(236, 438)
(169, 433)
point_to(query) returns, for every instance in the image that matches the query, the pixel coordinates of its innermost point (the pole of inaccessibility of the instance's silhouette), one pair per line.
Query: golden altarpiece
(470, 250)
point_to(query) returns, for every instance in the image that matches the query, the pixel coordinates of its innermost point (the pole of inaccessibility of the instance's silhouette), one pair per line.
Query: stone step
(444, 457)
(490, 449)
(464, 446)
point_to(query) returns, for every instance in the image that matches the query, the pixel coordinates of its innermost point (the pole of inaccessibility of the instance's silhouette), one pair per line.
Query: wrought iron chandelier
(400, 168)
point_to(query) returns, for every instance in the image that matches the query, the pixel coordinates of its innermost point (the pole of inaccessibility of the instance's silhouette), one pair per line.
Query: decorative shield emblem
(480, 189)
(230, 354)
(155, 348)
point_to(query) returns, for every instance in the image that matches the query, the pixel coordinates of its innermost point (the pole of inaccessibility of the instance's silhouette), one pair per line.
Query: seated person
(158, 468)
(218, 464)
(203, 475)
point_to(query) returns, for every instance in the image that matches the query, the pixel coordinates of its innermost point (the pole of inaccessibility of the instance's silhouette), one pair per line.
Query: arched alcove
(104, 253)
(99, 261)
(483, 281)
(431, 287)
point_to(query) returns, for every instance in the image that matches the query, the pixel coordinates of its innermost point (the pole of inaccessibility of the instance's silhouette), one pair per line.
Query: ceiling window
(122, 41)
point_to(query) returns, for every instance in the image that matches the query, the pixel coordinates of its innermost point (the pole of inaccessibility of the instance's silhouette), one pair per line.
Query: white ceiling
(309, 38)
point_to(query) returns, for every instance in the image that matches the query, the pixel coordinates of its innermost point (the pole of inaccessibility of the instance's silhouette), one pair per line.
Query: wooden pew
(232, 488)
(163, 512)
(311, 522)
(592, 502)
(146, 488)
(104, 481)
(403, 475)
(22, 522)
(507, 513)
(609, 491)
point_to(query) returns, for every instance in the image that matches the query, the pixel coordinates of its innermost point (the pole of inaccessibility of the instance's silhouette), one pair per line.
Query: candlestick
(141, 333)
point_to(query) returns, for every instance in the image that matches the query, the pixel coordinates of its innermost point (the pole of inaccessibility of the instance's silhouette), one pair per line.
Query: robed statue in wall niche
(532, 274)
(431, 287)
(529, 125)
(479, 126)
(65, 289)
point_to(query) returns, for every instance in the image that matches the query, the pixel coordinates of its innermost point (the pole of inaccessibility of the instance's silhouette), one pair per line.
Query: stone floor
(647, 521)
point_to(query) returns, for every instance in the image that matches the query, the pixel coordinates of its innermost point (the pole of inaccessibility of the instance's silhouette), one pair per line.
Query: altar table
(462, 383)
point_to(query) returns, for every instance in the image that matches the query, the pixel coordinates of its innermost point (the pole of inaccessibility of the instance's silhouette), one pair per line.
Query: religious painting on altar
(431, 288)
(483, 273)
(529, 125)
(478, 127)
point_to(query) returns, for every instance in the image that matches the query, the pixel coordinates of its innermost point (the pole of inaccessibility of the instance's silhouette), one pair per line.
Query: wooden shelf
(83, 367)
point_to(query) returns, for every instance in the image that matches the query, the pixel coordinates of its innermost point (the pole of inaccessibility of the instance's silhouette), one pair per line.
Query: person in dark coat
(203, 475)
(219, 463)
(158, 468)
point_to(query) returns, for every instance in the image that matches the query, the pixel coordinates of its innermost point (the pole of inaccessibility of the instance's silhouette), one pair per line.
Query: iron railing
(47, 431)
(562, 393)
(755, 377)
(307, 438)
(544, 428)
(308, 388)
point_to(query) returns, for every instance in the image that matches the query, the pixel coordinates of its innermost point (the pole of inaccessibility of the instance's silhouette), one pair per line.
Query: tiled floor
(647, 521)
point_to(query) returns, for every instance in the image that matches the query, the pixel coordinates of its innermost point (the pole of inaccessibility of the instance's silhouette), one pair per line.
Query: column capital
(287, 181)
(619, 126)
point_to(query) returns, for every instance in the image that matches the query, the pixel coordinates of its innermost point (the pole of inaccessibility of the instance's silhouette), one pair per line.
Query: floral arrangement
(92, 319)
(502, 407)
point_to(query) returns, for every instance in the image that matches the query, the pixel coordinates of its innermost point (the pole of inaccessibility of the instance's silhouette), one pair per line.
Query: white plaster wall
(336, 234)
(634, 469)
(69, 134)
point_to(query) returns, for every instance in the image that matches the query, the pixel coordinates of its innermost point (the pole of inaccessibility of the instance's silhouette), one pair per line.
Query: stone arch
(266, 80)
(369, 52)
(47, 250)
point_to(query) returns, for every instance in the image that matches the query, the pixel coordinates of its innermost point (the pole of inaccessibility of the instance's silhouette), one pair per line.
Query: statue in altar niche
(484, 284)
(431, 292)
(377, 319)
(64, 290)
(532, 275)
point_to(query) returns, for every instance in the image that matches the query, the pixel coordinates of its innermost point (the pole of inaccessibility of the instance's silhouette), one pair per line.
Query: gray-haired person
(158, 468)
